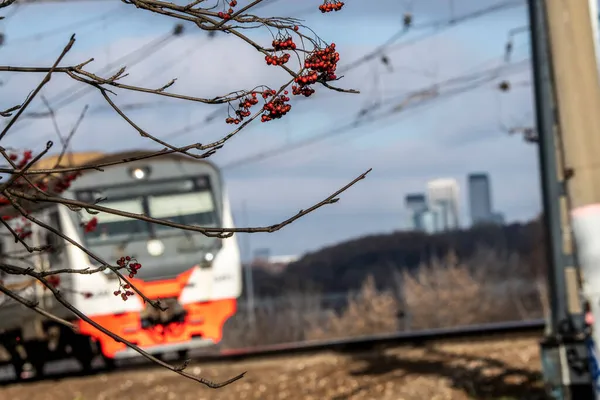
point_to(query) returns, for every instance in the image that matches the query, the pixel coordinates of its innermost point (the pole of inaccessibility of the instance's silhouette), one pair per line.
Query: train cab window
(116, 227)
(196, 208)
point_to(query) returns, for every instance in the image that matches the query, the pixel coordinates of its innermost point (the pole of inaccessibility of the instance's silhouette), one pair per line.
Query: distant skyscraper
(262, 254)
(480, 198)
(443, 195)
(498, 218)
(416, 204)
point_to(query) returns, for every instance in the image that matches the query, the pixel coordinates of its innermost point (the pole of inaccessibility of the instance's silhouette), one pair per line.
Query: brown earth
(508, 369)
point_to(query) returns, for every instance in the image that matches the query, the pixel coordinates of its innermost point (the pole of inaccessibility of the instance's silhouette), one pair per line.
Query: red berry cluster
(126, 293)
(90, 226)
(130, 264)
(324, 61)
(302, 90)
(63, 184)
(227, 15)
(276, 107)
(330, 6)
(25, 158)
(321, 64)
(284, 44)
(53, 280)
(307, 79)
(24, 230)
(274, 60)
(243, 110)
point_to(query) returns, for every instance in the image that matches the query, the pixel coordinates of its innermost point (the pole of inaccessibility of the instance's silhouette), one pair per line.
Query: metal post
(248, 274)
(564, 353)
(551, 186)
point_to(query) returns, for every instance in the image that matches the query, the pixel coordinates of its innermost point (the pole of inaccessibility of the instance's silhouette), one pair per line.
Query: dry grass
(369, 313)
(446, 292)
(282, 321)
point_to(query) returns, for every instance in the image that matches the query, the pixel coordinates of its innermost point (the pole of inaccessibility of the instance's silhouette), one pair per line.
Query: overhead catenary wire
(470, 75)
(479, 78)
(441, 25)
(67, 96)
(87, 23)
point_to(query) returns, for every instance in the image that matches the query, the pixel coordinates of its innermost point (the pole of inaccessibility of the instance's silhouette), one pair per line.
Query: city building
(498, 218)
(480, 198)
(480, 201)
(443, 198)
(438, 209)
(416, 203)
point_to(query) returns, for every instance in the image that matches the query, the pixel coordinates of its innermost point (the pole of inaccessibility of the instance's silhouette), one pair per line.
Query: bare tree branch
(74, 310)
(212, 232)
(44, 81)
(34, 305)
(27, 189)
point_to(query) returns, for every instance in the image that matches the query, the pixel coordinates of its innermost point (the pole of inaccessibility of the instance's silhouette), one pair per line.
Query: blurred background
(445, 119)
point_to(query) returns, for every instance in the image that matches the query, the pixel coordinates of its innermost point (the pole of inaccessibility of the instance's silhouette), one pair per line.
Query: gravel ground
(499, 370)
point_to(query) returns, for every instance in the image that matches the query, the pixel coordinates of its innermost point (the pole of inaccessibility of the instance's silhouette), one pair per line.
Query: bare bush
(489, 287)
(448, 292)
(370, 312)
(280, 320)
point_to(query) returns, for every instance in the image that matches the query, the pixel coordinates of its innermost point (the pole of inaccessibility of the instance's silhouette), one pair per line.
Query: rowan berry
(286, 43)
(53, 280)
(276, 108)
(243, 110)
(274, 60)
(329, 6)
(91, 225)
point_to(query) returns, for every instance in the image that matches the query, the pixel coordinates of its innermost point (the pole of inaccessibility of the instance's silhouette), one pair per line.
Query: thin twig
(36, 221)
(34, 305)
(74, 310)
(219, 232)
(39, 87)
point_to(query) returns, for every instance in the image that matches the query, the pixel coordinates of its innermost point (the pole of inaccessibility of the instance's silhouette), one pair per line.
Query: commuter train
(197, 277)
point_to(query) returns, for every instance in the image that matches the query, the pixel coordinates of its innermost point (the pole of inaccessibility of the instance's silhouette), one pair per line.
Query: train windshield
(195, 208)
(187, 201)
(115, 227)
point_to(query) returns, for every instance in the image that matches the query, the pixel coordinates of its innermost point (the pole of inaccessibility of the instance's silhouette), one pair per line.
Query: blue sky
(447, 138)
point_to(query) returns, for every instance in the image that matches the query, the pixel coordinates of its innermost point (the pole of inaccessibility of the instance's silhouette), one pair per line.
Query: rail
(346, 345)
(394, 339)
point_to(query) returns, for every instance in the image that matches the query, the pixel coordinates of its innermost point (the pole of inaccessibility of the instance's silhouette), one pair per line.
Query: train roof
(80, 159)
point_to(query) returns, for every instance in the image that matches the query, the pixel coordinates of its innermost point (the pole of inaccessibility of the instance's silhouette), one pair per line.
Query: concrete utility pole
(578, 102)
(594, 19)
(568, 101)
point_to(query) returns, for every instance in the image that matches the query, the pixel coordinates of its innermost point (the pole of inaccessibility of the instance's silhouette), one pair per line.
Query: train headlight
(140, 173)
(155, 247)
(207, 260)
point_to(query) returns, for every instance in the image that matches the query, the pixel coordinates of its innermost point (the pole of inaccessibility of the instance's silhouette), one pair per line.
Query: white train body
(198, 277)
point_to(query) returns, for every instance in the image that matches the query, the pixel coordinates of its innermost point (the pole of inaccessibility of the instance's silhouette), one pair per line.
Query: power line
(434, 95)
(68, 96)
(86, 23)
(441, 25)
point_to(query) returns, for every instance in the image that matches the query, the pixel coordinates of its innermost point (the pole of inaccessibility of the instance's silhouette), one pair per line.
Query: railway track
(474, 333)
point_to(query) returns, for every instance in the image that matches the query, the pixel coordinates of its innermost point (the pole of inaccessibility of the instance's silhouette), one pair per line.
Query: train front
(197, 277)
